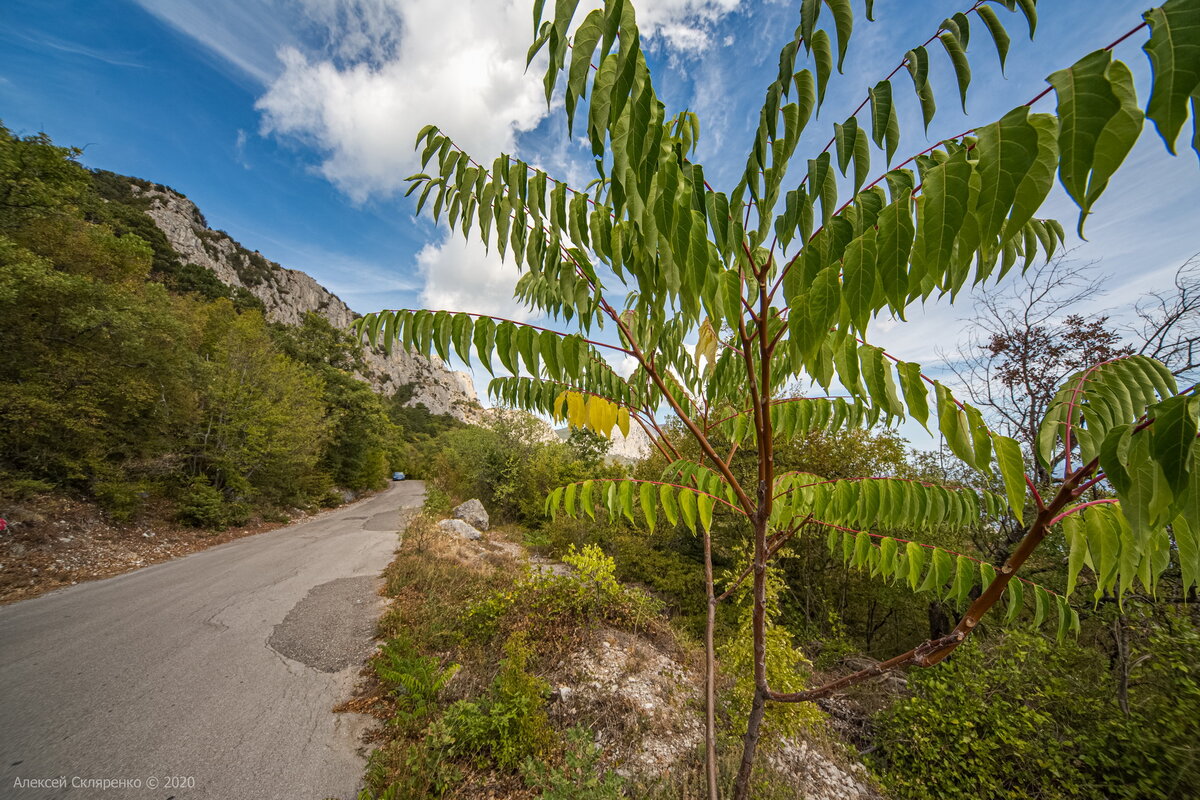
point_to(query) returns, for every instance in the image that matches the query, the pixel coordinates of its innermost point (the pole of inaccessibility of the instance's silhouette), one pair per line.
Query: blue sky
(290, 122)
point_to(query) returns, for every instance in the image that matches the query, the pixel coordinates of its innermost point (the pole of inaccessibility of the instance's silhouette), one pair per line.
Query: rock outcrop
(287, 295)
(473, 513)
(460, 529)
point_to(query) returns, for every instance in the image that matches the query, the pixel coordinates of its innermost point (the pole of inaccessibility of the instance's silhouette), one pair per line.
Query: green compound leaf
(1174, 52)
(1099, 121)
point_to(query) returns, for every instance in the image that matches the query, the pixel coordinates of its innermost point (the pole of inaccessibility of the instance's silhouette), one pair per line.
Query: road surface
(211, 676)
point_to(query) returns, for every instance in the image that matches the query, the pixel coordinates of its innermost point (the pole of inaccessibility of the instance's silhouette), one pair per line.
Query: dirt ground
(53, 541)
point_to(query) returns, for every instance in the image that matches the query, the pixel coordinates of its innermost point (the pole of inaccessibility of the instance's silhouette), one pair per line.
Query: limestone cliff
(287, 295)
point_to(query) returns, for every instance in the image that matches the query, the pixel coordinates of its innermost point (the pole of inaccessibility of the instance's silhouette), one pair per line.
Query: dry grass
(635, 685)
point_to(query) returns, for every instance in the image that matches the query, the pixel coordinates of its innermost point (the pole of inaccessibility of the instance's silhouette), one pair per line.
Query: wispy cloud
(114, 59)
(462, 275)
(245, 35)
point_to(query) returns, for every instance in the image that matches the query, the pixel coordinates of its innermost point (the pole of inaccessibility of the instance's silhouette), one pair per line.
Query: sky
(290, 122)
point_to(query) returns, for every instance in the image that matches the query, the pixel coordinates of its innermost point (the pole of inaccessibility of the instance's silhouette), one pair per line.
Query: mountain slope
(288, 294)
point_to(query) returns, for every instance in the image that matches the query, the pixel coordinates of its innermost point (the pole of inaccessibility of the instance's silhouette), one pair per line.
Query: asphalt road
(211, 676)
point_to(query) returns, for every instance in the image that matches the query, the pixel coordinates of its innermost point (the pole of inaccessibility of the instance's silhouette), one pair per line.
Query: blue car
(397, 476)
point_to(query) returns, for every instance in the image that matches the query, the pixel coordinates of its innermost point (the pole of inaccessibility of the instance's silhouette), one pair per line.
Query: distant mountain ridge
(287, 295)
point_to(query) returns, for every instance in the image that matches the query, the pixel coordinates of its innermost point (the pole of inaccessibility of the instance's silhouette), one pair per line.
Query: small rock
(460, 529)
(473, 513)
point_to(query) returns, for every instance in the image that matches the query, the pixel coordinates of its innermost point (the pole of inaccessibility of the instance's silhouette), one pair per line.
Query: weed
(579, 777)
(415, 682)
(510, 725)
(405, 769)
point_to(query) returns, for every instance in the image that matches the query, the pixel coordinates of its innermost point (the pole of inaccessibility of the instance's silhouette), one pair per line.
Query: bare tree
(1023, 343)
(1169, 323)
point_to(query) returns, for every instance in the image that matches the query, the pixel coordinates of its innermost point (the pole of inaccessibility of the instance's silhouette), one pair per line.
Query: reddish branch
(934, 650)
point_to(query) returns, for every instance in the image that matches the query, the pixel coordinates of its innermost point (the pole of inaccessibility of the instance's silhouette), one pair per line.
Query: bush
(202, 506)
(121, 499)
(12, 488)
(437, 502)
(787, 670)
(545, 602)
(1020, 718)
(510, 725)
(579, 777)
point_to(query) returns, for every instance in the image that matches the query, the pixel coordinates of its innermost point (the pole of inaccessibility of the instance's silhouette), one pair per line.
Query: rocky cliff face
(288, 294)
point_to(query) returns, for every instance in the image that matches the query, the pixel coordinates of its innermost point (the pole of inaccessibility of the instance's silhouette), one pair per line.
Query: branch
(933, 651)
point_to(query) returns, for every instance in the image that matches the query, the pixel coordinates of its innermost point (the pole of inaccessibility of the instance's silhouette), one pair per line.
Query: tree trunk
(710, 676)
(1121, 639)
(939, 621)
(741, 788)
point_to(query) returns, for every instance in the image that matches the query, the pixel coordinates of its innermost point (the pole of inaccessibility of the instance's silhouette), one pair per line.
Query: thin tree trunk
(1121, 640)
(741, 789)
(710, 675)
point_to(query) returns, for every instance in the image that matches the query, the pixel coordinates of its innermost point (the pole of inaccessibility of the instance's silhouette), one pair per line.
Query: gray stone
(288, 295)
(473, 513)
(460, 529)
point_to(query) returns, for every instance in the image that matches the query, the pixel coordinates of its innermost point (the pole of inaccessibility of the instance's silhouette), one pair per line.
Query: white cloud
(355, 80)
(389, 67)
(452, 64)
(685, 25)
(463, 276)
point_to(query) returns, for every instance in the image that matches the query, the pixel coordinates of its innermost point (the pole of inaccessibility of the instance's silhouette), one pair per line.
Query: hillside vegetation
(1110, 714)
(147, 385)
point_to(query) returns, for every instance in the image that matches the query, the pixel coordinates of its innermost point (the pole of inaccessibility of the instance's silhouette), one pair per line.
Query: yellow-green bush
(541, 601)
(510, 724)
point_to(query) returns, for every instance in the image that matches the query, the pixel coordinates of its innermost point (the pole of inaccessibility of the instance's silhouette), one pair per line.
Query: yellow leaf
(623, 420)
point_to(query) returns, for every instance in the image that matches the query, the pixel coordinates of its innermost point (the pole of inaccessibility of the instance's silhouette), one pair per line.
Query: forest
(147, 385)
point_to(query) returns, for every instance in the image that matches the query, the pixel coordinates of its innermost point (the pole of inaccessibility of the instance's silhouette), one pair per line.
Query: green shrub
(1021, 718)
(12, 488)
(436, 501)
(510, 725)
(788, 670)
(580, 776)
(589, 593)
(414, 680)
(202, 505)
(121, 499)
(276, 515)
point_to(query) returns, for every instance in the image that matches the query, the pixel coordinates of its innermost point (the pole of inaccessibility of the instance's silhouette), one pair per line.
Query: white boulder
(460, 529)
(473, 513)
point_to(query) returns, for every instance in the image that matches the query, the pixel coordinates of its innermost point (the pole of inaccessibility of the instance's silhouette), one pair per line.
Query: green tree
(261, 425)
(778, 279)
(363, 440)
(37, 178)
(93, 381)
